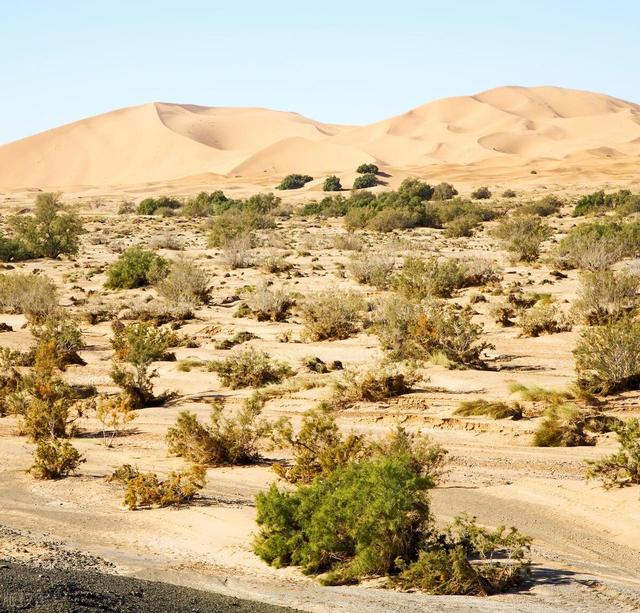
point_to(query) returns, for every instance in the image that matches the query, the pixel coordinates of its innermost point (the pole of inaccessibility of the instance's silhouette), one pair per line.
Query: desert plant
(444, 191)
(185, 284)
(567, 425)
(364, 169)
(607, 358)
(153, 206)
(493, 409)
(332, 184)
(605, 296)
(347, 242)
(55, 459)
(236, 252)
(549, 205)
(623, 467)
(545, 317)
(227, 439)
(522, 236)
(462, 226)
(328, 318)
(419, 278)
(482, 193)
(136, 267)
(407, 330)
(294, 181)
(267, 303)
(61, 339)
(387, 220)
(371, 386)
(234, 223)
(509, 193)
(114, 413)
(249, 368)
(145, 490)
(34, 295)
(52, 230)
(365, 180)
(371, 269)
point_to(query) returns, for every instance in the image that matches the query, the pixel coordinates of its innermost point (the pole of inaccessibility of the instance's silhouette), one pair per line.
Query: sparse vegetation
(185, 284)
(364, 181)
(136, 267)
(522, 236)
(332, 184)
(326, 318)
(249, 368)
(294, 181)
(495, 410)
(55, 459)
(605, 296)
(36, 296)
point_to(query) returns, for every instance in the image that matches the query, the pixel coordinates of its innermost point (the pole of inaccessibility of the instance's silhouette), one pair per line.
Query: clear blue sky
(342, 62)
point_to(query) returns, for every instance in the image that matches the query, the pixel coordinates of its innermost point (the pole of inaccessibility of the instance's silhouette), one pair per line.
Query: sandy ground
(586, 540)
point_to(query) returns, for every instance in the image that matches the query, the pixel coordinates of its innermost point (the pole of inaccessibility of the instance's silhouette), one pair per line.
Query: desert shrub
(153, 206)
(55, 459)
(622, 201)
(12, 250)
(605, 296)
(408, 330)
(145, 490)
(267, 303)
(462, 226)
(419, 278)
(598, 245)
(329, 315)
(367, 518)
(509, 193)
(522, 236)
(493, 409)
(52, 230)
(390, 219)
(114, 413)
(500, 561)
(136, 346)
(623, 467)
(371, 269)
(566, 425)
(236, 252)
(347, 242)
(482, 193)
(439, 213)
(294, 181)
(365, 180)
(34, 295)
(48, 407)
(331, 184)
(545, 317)
(126, 207)
(549, 205)
(365, 169)
(444, 191)
(136, 267)
(227, 439)
(61, 339)
(234, 223)
(275, 261)
(607, 358)
(371, 386)
(205, 205)
(249, 368)
(185, 284)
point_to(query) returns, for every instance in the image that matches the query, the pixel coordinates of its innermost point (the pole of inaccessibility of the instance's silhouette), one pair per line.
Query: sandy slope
(508, 128)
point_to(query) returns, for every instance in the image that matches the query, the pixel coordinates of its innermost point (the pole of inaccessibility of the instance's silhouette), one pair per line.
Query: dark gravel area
(27, 588)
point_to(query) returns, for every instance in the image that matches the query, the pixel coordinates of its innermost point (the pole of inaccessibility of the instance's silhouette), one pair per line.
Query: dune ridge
(507, 126)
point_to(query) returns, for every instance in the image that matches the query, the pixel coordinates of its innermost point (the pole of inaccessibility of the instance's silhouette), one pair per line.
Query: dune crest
(511, 126)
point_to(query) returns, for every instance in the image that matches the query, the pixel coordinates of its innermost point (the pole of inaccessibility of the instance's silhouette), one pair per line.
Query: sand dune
(509, 126)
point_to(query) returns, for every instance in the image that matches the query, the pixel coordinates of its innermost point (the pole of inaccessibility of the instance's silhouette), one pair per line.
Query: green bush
(52, 230)
(605, 296)
(598, 245)
(622, 201)
(153, 206)
(227, 439)
(549, 205)
(544, 317)
(364, 181)
(205, 205)
(371, 269)
(444, 191)
(482, 193)
(233, 224)
(522, 236)
(250, 368)
(55, 459)
(433, 277)
(388, 220)
(566, 425)
(331, 316)
(372, 518)
(136, 267)
(367, 169)
(623, 467)
(294, 181)
(462, 226)
(331, 184)
(608, 357)
(267, 303)
(61, 339)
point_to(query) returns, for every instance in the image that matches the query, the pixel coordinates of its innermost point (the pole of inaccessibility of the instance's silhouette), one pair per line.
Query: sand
(566, 136)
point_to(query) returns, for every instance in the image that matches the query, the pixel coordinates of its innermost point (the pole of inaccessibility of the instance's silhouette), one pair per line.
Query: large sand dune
(508, 127)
